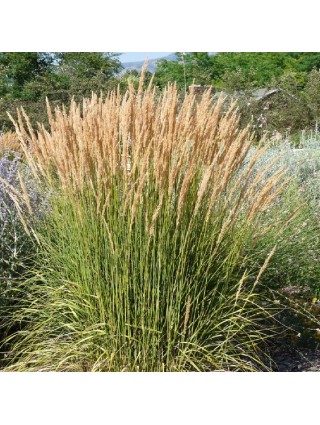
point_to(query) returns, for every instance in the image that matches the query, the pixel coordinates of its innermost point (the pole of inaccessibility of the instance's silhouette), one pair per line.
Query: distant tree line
(235, 71)
(27, 78)
(296, 74)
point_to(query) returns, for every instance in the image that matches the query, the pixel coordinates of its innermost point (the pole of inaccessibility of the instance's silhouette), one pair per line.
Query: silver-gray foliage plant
(16, 247)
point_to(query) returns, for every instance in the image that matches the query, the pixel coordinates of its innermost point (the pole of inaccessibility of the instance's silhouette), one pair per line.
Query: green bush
(296, 260)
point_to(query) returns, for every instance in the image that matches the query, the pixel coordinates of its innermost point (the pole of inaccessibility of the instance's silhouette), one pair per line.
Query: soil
(290, 359)
(298, 350)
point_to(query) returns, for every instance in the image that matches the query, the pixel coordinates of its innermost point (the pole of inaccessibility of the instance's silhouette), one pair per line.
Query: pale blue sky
(141, 56)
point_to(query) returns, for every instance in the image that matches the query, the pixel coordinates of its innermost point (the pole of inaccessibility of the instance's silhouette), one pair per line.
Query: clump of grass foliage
(143, 264)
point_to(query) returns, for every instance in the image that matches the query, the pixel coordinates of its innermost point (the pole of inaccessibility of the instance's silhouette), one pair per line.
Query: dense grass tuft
(143, 261)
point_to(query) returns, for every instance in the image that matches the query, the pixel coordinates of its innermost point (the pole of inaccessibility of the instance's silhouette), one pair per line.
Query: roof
(260, 94)
(263, 93)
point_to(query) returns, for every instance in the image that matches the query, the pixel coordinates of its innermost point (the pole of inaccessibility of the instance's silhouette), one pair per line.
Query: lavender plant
(16, 246)
(13, 240)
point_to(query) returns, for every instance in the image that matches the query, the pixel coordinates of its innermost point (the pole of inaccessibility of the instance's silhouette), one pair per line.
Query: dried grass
(9, 141)
(141, 137)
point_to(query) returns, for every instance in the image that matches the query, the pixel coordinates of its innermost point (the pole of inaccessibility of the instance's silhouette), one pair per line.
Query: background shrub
(296, 261)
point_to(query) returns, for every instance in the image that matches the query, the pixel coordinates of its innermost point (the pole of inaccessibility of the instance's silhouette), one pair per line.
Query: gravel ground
(289, 359)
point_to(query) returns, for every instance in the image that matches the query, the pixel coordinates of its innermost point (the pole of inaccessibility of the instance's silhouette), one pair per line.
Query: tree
(260, 67)
(132, 76)
(197, 67)
(27, 78)
(87, 71)
(16, 69)
(305, 62)
(312, 93)
(169, 71)
(239, 81)
(290, 81)
(88, 64)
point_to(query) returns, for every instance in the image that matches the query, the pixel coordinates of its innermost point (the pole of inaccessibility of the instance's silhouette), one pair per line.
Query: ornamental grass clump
(142, 265)
(9, 142)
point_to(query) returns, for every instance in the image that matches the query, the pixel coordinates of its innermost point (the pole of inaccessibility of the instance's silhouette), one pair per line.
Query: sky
(141, 56)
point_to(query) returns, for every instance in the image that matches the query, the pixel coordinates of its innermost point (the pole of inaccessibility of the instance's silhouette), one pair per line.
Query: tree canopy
(26, 78)
(29, 76)
(256, 69)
